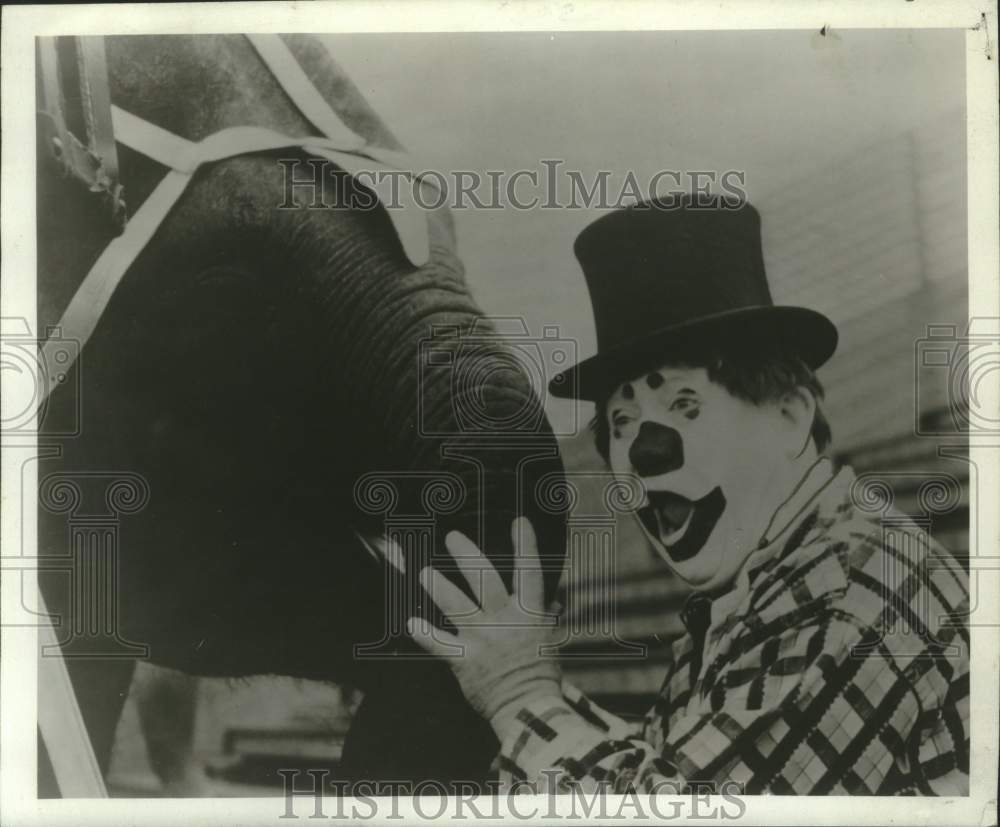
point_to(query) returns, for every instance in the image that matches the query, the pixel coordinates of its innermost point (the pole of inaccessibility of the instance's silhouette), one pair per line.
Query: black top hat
(666, 274)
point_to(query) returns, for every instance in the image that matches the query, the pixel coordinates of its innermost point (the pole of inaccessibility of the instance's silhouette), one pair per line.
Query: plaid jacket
(838, 664)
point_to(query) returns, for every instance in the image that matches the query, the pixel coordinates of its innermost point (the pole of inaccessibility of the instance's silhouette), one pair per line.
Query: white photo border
(18, 645)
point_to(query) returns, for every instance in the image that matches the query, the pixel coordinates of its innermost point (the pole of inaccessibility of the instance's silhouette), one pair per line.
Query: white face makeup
(710, 463)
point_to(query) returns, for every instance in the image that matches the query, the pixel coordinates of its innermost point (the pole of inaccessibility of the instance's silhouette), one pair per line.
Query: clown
(715, 462)
(787, 680)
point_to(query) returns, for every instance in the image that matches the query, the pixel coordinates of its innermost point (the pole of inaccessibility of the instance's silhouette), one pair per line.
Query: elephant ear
(316, 56)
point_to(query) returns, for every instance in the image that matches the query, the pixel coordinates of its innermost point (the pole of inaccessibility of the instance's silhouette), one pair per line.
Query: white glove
(496, 654)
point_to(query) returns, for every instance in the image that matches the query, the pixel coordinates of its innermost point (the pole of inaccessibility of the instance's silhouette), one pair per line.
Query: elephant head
(255, 366)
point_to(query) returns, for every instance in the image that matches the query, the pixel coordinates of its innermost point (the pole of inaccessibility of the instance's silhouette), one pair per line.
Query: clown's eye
(686, 406)
(620, 420)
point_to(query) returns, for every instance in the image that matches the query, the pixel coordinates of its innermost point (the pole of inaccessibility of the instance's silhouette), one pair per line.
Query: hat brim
(796, 330)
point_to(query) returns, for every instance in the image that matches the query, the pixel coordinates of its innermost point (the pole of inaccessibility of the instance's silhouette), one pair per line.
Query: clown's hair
(752, 376)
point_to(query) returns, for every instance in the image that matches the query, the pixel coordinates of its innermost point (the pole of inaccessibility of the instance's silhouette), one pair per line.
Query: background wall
(821, 126)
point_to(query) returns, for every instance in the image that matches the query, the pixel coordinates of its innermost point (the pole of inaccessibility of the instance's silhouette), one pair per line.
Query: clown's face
(714, 466)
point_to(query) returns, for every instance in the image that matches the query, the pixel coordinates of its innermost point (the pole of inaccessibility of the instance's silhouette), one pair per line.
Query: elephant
(253, 368)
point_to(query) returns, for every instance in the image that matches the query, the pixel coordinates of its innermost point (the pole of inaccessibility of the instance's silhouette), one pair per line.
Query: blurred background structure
(853, 149)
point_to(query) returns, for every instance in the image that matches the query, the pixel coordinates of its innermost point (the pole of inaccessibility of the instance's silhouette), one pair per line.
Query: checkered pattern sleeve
(820, 706)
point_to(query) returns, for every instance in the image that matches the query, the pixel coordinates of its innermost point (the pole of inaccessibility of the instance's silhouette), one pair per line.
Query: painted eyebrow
(655, 381)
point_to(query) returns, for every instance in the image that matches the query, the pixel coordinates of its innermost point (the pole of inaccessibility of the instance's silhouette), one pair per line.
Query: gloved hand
(496, 653)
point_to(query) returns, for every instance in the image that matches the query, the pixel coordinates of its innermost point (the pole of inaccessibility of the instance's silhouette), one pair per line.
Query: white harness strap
(313, 106)
(183, 157)
(73, 762)
(81, 316)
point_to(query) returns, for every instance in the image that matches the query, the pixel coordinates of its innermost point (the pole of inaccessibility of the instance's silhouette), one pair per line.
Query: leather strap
(52, 106)
(95, 96)
(95, 162)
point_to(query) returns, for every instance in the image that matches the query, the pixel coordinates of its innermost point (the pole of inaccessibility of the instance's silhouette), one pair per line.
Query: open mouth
(681, 525)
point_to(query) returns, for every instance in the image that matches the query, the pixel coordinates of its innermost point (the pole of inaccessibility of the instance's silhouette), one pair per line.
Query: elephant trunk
(436, 409)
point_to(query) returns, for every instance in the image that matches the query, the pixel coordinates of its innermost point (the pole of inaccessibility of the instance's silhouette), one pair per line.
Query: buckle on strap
(91, 158)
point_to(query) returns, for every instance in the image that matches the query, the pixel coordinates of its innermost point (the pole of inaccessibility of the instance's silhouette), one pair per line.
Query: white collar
(815, 479)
